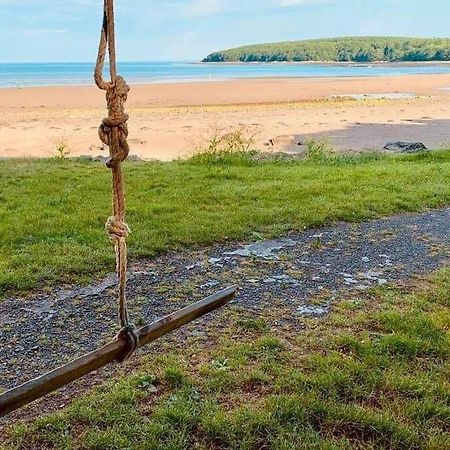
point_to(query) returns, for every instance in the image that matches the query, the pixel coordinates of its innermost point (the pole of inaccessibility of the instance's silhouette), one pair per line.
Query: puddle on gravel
(263, 249)
(88, 291)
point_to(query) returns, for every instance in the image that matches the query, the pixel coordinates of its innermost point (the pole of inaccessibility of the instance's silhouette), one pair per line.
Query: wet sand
(175, 120)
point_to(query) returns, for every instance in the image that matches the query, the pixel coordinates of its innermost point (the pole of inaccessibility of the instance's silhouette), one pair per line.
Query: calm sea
(51, 74)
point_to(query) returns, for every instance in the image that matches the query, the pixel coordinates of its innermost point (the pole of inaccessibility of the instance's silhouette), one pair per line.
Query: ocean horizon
(22, 75)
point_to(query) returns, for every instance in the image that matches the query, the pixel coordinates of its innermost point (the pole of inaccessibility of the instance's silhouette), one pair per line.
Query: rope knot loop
(130, 335)
(116, 96)
(117, 229)
(113, 130)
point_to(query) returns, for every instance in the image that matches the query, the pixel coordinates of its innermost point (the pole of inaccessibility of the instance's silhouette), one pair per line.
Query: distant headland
(347, 49)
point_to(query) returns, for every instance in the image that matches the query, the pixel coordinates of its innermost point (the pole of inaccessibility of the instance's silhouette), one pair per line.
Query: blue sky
(67, 30)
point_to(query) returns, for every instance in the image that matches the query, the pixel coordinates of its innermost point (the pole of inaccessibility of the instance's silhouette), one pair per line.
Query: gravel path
(42, 331)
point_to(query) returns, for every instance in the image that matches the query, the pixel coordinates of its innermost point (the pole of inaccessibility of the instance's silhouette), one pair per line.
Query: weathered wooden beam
(45, 384)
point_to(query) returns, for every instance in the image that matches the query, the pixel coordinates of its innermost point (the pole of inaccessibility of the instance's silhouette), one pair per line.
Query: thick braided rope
(113, 132)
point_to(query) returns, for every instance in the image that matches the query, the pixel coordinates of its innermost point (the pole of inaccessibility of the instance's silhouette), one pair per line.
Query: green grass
(375, 374)
(52, 212)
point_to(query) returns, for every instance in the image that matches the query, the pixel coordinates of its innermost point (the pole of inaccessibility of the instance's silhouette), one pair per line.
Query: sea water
(53, 74)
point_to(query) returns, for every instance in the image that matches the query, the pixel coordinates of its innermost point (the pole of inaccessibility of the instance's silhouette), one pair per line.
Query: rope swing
(113, 132)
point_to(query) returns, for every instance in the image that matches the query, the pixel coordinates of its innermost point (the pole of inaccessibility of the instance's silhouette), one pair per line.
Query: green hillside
(350, 49)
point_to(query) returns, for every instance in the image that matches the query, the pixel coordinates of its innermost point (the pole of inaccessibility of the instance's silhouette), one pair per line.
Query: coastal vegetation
(52, 211)
(349, 49)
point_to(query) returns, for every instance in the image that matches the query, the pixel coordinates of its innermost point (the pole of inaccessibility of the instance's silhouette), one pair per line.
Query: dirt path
(48, 328)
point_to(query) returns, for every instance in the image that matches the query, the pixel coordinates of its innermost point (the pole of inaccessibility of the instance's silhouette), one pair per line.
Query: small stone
(194, 266)
(214, 260)
(312, 310)
(371, 275)
(152, 389)
(362, 287)
(281, 277)
(405, 147)
(269, 280)
(208, 284)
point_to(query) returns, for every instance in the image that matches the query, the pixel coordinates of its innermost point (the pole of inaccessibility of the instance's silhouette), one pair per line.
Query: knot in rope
(113, 130)
(116, 229)
(130, 335)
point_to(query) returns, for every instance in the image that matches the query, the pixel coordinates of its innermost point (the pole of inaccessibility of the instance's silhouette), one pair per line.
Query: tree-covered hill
(349, 49)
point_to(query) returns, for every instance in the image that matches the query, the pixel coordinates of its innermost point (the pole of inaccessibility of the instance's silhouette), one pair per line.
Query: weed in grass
(226, 146)
(175, 376)
(62, 150)
(317, 244)
(253, 324)
(146, 382)
(318, 150)
(270, 345)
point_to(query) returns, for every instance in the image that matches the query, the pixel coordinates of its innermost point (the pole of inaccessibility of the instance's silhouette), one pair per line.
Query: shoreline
(186, 80)
(145, 78)
(213, 79)
(259, 90)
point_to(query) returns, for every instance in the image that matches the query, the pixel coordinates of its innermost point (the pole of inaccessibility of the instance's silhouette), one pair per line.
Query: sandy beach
(172, 120)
